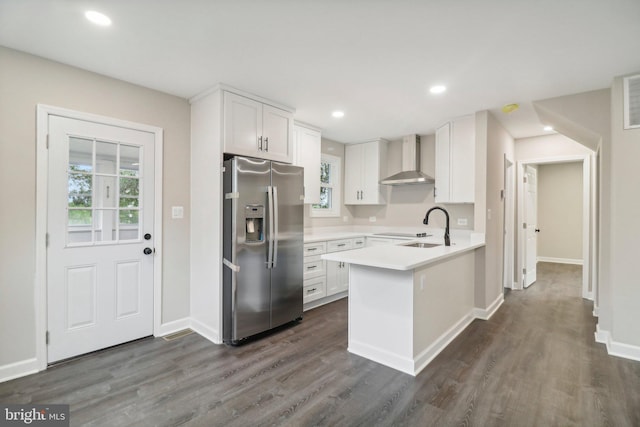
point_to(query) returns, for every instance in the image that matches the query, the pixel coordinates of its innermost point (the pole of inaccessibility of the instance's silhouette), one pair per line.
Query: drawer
(358, 242)
(314, 289)
(339, 245)
(315, 248)
(313, 269)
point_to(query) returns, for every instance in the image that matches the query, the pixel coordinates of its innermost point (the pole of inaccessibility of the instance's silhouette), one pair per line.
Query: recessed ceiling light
(338, 114)
(437, 89)
(98, 18)
(547, 128)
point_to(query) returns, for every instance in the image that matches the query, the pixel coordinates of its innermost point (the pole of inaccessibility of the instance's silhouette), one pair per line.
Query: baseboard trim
(326, 300)
(18, 369)
(618, 349)
(560, 260)
(596, 311)
(384, 357)
(207, 332)
(427, 355)
(486, 313)
(173, 326)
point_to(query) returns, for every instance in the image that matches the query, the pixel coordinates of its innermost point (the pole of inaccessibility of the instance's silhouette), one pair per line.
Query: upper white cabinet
(306, 153)
(256, 129)
(455, 161)
(365, 165)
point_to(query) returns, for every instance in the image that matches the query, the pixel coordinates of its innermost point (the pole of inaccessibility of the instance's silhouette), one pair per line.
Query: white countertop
(399, 257)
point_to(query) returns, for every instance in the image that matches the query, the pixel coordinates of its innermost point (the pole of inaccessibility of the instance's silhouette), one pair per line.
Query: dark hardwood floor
(534, 363)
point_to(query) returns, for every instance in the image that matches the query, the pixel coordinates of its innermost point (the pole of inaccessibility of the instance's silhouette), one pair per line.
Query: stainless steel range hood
(411, 173)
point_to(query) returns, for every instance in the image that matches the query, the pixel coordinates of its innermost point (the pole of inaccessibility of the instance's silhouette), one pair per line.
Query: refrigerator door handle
(275, 229)
(271, 230)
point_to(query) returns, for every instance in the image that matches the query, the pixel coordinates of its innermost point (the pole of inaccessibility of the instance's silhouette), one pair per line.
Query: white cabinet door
(242, 125)
(337, 277)
(254, 129)
(364, 165)
(277, 134)
(455, 161)
(307, 154)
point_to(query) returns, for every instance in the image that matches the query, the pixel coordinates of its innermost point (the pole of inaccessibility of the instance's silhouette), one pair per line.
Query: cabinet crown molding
(226, 88)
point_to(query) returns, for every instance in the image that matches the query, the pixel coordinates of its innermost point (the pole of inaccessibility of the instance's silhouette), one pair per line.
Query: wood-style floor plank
(533, 363)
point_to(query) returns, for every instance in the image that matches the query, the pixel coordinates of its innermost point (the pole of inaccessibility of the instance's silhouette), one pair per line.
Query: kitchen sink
(422, 245)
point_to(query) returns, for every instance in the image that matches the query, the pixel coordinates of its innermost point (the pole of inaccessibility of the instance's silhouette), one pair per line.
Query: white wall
(25, 81)
(560, 211)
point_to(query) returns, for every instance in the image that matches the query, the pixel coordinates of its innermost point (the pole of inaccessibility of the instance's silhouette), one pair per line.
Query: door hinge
(47, 337)
(47, 141)
(46, 240)
(524, 225)
(524, 179)
(524, 271)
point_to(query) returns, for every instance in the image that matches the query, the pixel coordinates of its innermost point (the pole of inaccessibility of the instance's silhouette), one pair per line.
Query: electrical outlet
(372, 219)
(462, 221)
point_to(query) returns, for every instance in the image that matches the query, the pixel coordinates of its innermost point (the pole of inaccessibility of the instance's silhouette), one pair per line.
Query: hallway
(534, 363)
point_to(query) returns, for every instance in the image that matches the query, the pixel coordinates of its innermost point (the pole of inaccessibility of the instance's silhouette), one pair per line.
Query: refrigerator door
(247, 292)
(286, 275)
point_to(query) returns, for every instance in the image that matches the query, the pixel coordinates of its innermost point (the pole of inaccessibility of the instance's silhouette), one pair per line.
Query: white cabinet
(337, 277)
(306, 154)
(256, 129)
(314, 273)
(365, 165)
(383, 241)
(455, 161)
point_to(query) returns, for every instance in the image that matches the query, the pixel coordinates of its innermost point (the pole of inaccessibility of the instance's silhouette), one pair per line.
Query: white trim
(560, 260)
(382, 356)
(226, 88)
(326, 300)
(18, 369)
(615, 348)
(625, 91)
(42, 169)
(486, 313)
(587, 201)
(596, 311)
(205, 331)
(172, 327)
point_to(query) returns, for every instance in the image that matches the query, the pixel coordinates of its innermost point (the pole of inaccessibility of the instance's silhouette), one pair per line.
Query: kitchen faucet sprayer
(425, 221)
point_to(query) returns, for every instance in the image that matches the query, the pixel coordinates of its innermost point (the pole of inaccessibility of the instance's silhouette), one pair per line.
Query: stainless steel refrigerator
(262, 246)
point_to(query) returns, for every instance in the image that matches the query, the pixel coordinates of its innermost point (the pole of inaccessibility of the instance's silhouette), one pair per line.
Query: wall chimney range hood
(411, 173)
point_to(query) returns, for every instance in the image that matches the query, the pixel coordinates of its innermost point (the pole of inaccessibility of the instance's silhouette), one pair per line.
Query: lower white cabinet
(325, 279)
(337, 277)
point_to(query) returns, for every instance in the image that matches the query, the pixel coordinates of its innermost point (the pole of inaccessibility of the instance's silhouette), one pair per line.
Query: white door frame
(508, 249)
(587, 201)
(42, 170)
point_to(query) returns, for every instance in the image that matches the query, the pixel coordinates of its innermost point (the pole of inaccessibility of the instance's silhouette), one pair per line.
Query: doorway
(99, 211)
(524, 257)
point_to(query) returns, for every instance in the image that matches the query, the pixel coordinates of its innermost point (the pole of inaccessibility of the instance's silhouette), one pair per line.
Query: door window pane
(79, 193)
(129, 160)
(129, 217)
(80, 217)
(129, 187)
(80, 155)
(106, 157)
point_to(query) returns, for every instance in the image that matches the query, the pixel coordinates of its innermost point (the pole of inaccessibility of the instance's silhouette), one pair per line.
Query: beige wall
(26, 81)
(548, 146)
(560, 212)
(624, 209)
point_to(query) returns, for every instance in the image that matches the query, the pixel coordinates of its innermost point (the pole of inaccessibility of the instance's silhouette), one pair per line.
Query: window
(329, 188)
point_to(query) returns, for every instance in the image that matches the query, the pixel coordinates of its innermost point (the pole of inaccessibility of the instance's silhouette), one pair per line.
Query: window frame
(335, 185)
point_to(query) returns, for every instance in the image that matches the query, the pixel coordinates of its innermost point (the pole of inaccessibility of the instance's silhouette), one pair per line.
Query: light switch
(462, 221)
(177, 212)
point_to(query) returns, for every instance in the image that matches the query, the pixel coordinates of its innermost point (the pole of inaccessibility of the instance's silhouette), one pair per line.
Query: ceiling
(373, 59)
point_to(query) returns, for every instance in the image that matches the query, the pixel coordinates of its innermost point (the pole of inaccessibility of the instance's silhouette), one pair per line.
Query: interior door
(531, 223)
(99, 224)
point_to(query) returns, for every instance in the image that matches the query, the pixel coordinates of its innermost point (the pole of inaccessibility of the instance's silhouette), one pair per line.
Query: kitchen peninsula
(408, 301)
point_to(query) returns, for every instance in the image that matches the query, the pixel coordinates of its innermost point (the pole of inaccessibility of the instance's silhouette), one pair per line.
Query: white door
(531, 222)
(100, 220)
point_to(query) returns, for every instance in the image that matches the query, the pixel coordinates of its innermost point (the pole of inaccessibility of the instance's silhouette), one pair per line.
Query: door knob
(147, 236)
(537, 230)
(147, 251)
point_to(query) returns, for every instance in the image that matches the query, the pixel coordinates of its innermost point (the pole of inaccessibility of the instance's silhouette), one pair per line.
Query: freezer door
(247, 296)
(286, 275)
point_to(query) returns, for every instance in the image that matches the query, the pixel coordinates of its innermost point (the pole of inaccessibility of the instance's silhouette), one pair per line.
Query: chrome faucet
(425, 221)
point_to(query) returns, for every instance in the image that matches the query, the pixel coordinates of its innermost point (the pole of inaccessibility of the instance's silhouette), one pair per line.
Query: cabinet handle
(266, 143)
(342, 244)
(311, 267)
(260, 143)
(311, 290)
(312, 249)
(434, 193)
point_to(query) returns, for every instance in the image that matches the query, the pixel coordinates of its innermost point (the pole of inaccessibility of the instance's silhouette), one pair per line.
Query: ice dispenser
(254, 223)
